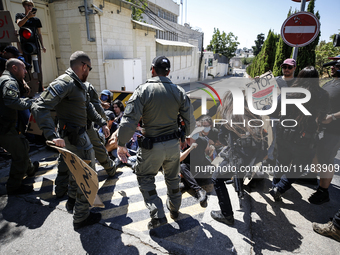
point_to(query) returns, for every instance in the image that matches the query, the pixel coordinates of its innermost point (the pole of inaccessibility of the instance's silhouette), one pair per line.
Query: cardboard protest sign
(262, 89)
(84, 175)
(32, 126)
(7, 31)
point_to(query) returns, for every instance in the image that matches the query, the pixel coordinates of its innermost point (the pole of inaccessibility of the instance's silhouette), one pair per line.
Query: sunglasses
(90, 68)
(287, 67)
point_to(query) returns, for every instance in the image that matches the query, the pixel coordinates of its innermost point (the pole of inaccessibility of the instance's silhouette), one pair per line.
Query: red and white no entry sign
(300, 29)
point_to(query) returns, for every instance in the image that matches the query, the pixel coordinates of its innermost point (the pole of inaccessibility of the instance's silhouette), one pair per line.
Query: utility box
(122, 73)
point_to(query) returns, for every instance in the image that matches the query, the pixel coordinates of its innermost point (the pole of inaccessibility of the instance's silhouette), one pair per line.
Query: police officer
(68, 96)
(11, 89)
(100, 151)
(158, 101)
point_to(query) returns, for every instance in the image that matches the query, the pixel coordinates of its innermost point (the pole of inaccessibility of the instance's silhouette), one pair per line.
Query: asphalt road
(39, 223)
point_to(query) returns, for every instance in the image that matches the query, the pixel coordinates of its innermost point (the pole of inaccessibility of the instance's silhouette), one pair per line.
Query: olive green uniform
(159, 102)
(69, 97)
(100, 151)
(14, 143)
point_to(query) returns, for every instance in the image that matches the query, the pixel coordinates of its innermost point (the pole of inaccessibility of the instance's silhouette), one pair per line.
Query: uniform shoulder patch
(13, 87)
(66, 77)
(128, 109)
(12, 93)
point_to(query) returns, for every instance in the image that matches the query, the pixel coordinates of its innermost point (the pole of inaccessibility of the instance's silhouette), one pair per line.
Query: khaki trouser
(18, 146)
(85, 151)
(166, 155)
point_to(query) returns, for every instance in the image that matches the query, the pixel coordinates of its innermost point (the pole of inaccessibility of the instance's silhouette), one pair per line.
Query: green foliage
(137, 12)
(247, 61)
(224, 44)
(258, 44)
(283, 51)
(306, 54)
(323, 51)
(264, 61)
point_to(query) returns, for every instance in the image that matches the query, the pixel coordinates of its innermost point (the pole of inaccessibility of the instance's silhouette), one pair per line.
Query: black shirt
(33, 23)
(333, 89)
(283, 83)
(197, 156)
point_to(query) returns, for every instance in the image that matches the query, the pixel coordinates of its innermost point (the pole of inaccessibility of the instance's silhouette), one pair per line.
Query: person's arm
(184, 154)
(23, 21)
(41, 109)
(12, 99)
(40, 39)
(112, 143)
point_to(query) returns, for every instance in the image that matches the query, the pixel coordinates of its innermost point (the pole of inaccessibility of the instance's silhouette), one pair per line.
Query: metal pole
(296, 49)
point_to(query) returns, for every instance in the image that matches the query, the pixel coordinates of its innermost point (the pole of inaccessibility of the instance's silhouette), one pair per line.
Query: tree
(264, 61)
(322, 52)
(138, 11)
(283, 51)
(306, 54)
(258, 44)
(224, 44)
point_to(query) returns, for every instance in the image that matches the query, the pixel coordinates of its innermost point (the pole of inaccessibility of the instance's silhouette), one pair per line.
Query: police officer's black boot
(70, 204)
(157, 222)
(93, 218)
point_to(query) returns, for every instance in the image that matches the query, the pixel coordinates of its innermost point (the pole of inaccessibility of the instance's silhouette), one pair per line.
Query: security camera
(97, 9)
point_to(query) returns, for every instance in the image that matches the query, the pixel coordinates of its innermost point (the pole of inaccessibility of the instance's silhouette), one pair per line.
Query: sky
(248, 18)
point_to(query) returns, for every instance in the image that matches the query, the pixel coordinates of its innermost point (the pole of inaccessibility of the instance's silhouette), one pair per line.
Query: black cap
(13, 50)
(110, 115)
(161, 62)
(332, 63)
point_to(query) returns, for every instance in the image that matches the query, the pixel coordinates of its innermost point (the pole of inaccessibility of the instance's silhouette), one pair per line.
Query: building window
(210, 62)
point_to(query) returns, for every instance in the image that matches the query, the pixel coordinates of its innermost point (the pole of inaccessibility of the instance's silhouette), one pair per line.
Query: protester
(159, 101)
(286, 80)
(330, 143)
(189, 158)
(246, 147)
(29, 20)
(118, 109)
(106, 100)
(296, 146)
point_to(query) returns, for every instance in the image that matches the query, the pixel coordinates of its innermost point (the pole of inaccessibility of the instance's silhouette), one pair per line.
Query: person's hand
(59, 142)
(105, 105)
(193, 146)
(30, 14)
(43, 49)
(123, 153)
(106, 131)
(327, 120)
(183, 144)
(26, 87)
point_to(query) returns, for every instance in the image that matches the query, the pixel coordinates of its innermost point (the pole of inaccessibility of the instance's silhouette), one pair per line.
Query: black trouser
(221, 190)
(294, 157)
(188, 177)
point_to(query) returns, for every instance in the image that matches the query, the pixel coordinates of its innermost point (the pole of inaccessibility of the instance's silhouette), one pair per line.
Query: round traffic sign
(300, 29)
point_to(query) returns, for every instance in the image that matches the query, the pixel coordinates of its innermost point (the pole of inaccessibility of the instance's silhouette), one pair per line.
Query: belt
(164, 138)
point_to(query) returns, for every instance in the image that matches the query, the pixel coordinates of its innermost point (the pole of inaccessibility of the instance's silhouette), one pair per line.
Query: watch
(333, 117)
